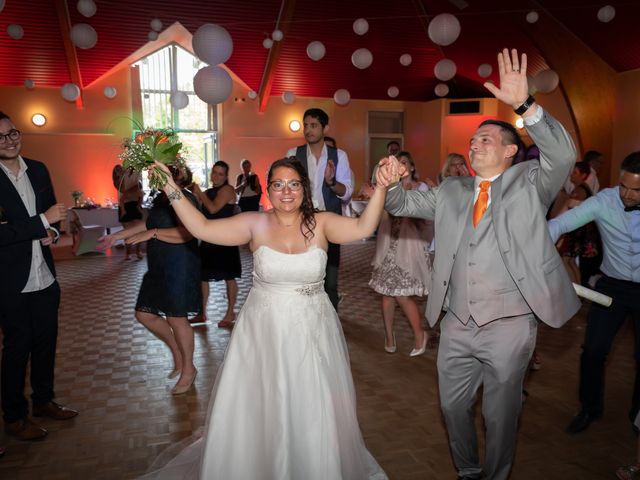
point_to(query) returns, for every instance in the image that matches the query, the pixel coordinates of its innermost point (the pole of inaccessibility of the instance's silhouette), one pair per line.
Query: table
(104, 217)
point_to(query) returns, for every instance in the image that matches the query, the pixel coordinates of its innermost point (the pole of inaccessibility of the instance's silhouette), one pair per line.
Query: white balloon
(212, 85)
(405, 59)
(70, 92)
(342, 96)
(156, 24)
(531, 83)
(606, 13)
(316, 50)
(212, 44)
(87, 8)
(362, 58)
(485, 70)
(15, 31)
(84, 36)
(441, 89)
(30, 84)
(110, 92)
(546, 81)
(532, 16)
(1, 5)
(288, 97)
(152, 35)
(179, 100)
(277, 35)
(445, 69)
(393, 92)
(444, 29)
(252, 95)
(267, 43)
(361, 26)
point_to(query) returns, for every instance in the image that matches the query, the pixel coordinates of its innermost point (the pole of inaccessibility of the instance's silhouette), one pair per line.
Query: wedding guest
(248, 188)
(454, 166)
(130, 195)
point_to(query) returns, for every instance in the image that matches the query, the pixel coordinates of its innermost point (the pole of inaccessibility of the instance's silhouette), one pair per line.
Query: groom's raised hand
(514, 87)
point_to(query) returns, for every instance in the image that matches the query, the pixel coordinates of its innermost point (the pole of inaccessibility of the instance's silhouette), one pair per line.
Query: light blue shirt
(620, 232)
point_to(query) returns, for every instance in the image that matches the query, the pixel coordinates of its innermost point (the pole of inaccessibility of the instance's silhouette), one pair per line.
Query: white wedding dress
(283, 406)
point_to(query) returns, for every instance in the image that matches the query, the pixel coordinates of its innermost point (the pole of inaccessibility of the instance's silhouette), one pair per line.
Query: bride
(283, 406)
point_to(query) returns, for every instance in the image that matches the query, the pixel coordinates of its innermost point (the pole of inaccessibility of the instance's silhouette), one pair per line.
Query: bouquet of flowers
(148, 146)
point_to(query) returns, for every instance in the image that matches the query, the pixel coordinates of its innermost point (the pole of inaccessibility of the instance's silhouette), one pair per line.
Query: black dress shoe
(581, 421)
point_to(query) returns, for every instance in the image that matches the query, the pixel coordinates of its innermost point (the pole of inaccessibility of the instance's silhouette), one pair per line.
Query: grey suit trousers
(496, 356)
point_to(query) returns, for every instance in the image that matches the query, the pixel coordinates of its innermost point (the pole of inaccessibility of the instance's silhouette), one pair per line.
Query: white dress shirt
(40, 277)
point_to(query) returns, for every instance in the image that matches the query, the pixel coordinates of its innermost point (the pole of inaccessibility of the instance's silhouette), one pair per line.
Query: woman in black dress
(219, 262)
(130, 194)
(169, 292)
(248, 188)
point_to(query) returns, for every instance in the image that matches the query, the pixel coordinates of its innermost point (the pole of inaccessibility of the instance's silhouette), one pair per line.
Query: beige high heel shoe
(392, 348)
(419, 351)
(180, 390)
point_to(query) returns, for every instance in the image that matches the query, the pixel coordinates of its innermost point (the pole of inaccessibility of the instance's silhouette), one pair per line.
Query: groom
(496, 270)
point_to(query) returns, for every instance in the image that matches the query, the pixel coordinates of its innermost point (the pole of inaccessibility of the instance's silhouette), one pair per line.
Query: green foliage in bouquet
(162, 145)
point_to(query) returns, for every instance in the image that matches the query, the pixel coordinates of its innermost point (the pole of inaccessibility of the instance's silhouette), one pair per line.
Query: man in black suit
(29, 292)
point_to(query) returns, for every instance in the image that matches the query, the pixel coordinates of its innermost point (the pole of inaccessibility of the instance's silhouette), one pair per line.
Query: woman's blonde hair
(444, 171)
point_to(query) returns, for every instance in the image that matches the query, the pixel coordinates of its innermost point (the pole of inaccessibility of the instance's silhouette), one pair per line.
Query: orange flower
(139, 138)
(162, 139)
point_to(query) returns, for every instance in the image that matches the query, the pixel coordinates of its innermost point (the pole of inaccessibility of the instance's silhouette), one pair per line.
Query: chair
(85, 237)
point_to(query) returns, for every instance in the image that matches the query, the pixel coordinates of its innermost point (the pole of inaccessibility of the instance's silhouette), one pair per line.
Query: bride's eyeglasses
(280, 185)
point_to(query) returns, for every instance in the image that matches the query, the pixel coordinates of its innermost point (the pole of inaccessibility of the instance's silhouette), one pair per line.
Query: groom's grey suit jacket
(520, 198)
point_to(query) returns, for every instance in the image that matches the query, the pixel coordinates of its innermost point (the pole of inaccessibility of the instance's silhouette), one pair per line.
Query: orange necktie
(481, 203)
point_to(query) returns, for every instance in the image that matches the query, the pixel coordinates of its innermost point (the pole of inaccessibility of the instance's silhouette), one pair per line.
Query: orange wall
(626, 124)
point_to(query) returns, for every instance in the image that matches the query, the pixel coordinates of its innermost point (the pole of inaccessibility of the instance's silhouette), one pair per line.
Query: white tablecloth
(105, 217)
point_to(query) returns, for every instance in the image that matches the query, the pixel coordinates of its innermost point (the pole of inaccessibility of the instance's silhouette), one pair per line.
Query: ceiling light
(294, 125)
(38, 119)
(519, 123)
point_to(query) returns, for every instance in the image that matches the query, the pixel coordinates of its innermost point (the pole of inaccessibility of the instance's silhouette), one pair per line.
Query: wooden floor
(114, 372)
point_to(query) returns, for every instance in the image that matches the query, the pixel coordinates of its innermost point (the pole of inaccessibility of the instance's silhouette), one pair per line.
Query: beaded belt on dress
(306, 289)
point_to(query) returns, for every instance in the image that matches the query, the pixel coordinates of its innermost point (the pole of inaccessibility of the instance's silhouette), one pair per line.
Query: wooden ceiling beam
(73, 65)
(284, 20)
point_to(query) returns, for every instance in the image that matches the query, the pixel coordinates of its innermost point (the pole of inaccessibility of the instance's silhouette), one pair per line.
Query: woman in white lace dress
(402, 266)
(283, 406)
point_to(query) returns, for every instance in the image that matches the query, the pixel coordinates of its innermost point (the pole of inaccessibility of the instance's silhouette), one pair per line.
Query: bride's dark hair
(306, 208)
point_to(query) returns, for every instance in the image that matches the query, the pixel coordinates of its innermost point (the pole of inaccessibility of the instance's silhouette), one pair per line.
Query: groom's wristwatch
(525, 106)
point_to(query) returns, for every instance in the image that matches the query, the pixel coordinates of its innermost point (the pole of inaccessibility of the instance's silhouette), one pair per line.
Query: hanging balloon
(362, 58)
(252, 95)
(87, 8)
(267, 43)
(212, 44)
(179, 100)
(30, 84)
(277, 35)
(316, 50)
(1, 5)
(110, 92)
(546, 81)
(342, 96)
(445, 69)
(606, 13)
(393, 92)
(152, 35)
(405, 59)
(441, 90)
(485, 70)
(70, 92)
(156, 24)
(212, 85)
(288, 97)
(444, 29)
(531, 84)
(15, 31)
(84, 36)
(361, 26)
(532, 16)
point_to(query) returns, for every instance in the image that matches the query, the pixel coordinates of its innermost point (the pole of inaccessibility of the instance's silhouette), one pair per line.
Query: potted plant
(76, 194)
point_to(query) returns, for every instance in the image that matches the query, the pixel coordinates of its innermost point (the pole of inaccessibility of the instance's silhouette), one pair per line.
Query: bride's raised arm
(230, 231)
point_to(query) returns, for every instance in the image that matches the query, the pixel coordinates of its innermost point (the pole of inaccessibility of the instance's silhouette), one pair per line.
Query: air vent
(464, 107)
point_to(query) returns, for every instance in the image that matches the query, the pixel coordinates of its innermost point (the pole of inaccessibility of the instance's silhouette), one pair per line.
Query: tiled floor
(114, 372)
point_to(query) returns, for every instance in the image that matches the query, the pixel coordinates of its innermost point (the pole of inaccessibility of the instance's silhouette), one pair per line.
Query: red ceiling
(394, 28)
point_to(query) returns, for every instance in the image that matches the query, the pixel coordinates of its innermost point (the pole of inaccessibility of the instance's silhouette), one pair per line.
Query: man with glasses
(29, 292)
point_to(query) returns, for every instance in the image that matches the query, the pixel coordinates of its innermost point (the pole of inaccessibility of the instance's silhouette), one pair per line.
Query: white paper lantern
(361, 26)
(362, 58)
(178, 99)
(444, 29)
(546, 81)
(30, 84)
(531, 83)
(277, 35)
(445, 69)
(252, 95)
(532, 16)
(485, 70)
(316, 50)
(405, 59)
(212, 44)
(110, 92)
(342, 96)
(288, 97)
(152, 35)
(70, 92)
(156, 24)
(87, 8)
(84, 36)
(212, 84)
(1, 5)
(442, 89)
(15, 31)
(606, 13)
(393, 92)
(267, 43)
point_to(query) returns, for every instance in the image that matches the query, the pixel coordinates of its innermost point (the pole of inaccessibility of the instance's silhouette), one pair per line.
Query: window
(172, 69)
